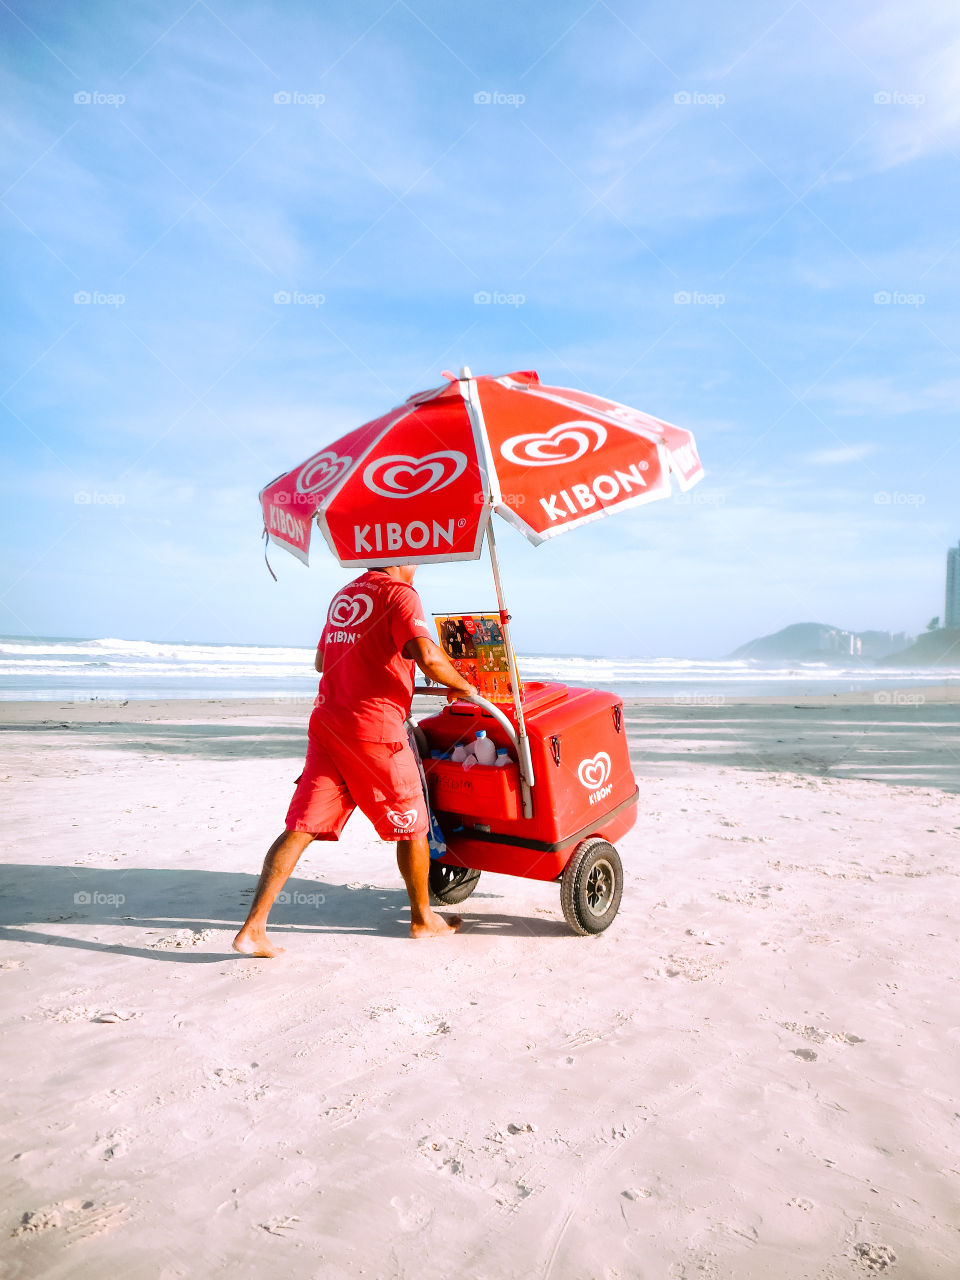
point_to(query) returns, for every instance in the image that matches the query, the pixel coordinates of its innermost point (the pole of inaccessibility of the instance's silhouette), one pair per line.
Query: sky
(741, 219)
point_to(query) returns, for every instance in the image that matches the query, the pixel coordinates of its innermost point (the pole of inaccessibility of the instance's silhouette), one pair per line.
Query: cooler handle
(522, 744)
(477, 700)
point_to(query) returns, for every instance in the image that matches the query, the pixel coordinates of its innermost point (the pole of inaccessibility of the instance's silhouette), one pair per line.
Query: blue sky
(786, 166)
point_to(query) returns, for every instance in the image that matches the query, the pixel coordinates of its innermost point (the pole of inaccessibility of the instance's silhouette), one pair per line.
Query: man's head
(402, 572)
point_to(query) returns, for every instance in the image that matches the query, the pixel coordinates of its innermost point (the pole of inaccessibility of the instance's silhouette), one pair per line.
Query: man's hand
(434, 664)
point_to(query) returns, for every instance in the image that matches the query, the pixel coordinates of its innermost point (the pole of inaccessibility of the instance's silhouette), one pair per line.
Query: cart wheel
(591, 886)
(451, 884)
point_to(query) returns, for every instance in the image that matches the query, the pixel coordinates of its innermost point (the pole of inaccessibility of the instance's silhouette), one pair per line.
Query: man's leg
(413, 859)
(282, 857)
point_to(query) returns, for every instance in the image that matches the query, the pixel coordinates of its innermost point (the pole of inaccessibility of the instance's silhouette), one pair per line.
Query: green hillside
(932, 649)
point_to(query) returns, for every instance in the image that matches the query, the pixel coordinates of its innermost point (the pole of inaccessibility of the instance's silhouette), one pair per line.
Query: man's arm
(318, 661)
(433, 662)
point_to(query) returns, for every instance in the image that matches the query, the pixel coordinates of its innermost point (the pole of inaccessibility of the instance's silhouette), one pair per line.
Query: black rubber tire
(591, 886)
(451, 884)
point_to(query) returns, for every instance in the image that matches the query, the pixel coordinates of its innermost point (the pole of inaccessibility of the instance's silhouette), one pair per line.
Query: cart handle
(522, 743)
(478, 701)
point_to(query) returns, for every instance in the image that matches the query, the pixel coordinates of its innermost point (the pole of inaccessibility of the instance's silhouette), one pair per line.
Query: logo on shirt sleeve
(350, 610)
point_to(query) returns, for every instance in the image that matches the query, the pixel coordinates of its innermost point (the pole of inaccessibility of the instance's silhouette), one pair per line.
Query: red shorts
(381, 777)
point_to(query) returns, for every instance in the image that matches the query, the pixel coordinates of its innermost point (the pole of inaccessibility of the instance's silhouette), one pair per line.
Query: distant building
(951, 617)
(880, 644)
(833, 640)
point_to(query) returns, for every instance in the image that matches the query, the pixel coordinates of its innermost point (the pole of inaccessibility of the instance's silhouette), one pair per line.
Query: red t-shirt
(367, 683)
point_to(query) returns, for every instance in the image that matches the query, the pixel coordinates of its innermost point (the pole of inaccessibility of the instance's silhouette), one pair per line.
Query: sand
(753, 1074)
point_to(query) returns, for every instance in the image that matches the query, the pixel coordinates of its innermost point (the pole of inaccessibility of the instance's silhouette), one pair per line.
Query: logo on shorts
(593, 774)
(565, 442)
(402, 476)
(321, 471)
(348, 611)
(402, 820)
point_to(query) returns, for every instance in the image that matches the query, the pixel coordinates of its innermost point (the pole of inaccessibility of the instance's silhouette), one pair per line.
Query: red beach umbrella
(418, 485)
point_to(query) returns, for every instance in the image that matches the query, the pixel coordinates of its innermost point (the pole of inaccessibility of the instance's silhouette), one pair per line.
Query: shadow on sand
(161, 902)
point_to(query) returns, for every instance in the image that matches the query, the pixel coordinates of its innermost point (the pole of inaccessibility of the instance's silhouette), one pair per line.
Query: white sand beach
(753, 1075)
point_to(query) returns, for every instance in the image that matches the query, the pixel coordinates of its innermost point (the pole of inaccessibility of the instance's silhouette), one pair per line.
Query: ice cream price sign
(474, 644)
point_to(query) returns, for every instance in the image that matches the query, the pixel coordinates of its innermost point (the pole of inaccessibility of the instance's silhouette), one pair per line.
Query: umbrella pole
(523, 742)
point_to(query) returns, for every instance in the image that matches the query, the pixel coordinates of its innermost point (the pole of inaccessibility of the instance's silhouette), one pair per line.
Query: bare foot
(434, 926)
(249, 943)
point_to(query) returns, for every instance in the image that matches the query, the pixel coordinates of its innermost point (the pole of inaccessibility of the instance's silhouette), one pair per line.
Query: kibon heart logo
(349, 610)
(321, 471)
(594, 772)
(402, 476)
(565, 442)
(402, 820)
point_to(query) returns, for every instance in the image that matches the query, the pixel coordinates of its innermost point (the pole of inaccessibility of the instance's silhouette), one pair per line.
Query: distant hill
(817, 642)
(932, 649)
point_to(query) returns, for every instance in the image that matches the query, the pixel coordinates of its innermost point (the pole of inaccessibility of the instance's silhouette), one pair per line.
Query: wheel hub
(599, 887)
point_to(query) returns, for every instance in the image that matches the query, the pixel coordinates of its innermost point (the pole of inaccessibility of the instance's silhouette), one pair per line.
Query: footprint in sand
(817, 1035)
(441, 1154)
(411, 1020)
(229, 1076)
(181, 939)
(74, 1219)
(280, 1225)
(88, 1013)
(875, 1257)
(116, 1144)
(510, 1196)
(345, 1113)
(413, 1212)
(693, 969)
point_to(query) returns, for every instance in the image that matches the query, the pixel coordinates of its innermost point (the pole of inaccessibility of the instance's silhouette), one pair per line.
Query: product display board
(474, 644)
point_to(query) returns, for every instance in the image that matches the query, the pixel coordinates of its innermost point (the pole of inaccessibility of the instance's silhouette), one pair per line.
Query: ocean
(36, 668)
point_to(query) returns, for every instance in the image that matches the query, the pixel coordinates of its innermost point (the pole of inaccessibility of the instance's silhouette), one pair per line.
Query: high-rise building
(951, 617)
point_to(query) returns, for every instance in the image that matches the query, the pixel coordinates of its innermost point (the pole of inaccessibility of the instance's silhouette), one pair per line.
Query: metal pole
(475, 410)
(523, 742)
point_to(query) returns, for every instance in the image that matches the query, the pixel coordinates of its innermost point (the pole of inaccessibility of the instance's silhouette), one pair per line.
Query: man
(358, 752)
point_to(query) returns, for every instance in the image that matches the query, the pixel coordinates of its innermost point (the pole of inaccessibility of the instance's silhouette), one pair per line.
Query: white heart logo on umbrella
(321, 471)
(348, 611)
(565, 442)
(402, 820)
(594, 772)
(402, 476)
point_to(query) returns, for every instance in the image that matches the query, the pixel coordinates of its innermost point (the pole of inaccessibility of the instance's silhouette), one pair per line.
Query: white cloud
(881, 395)
(847, 453)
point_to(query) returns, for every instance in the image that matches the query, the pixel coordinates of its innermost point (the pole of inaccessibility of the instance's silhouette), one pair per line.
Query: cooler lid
(537, 696)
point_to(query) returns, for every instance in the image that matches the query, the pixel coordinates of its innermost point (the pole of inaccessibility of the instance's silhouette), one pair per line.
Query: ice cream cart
(550, 812)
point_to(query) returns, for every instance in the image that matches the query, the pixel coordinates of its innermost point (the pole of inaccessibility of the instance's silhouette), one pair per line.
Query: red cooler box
(583, 783)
